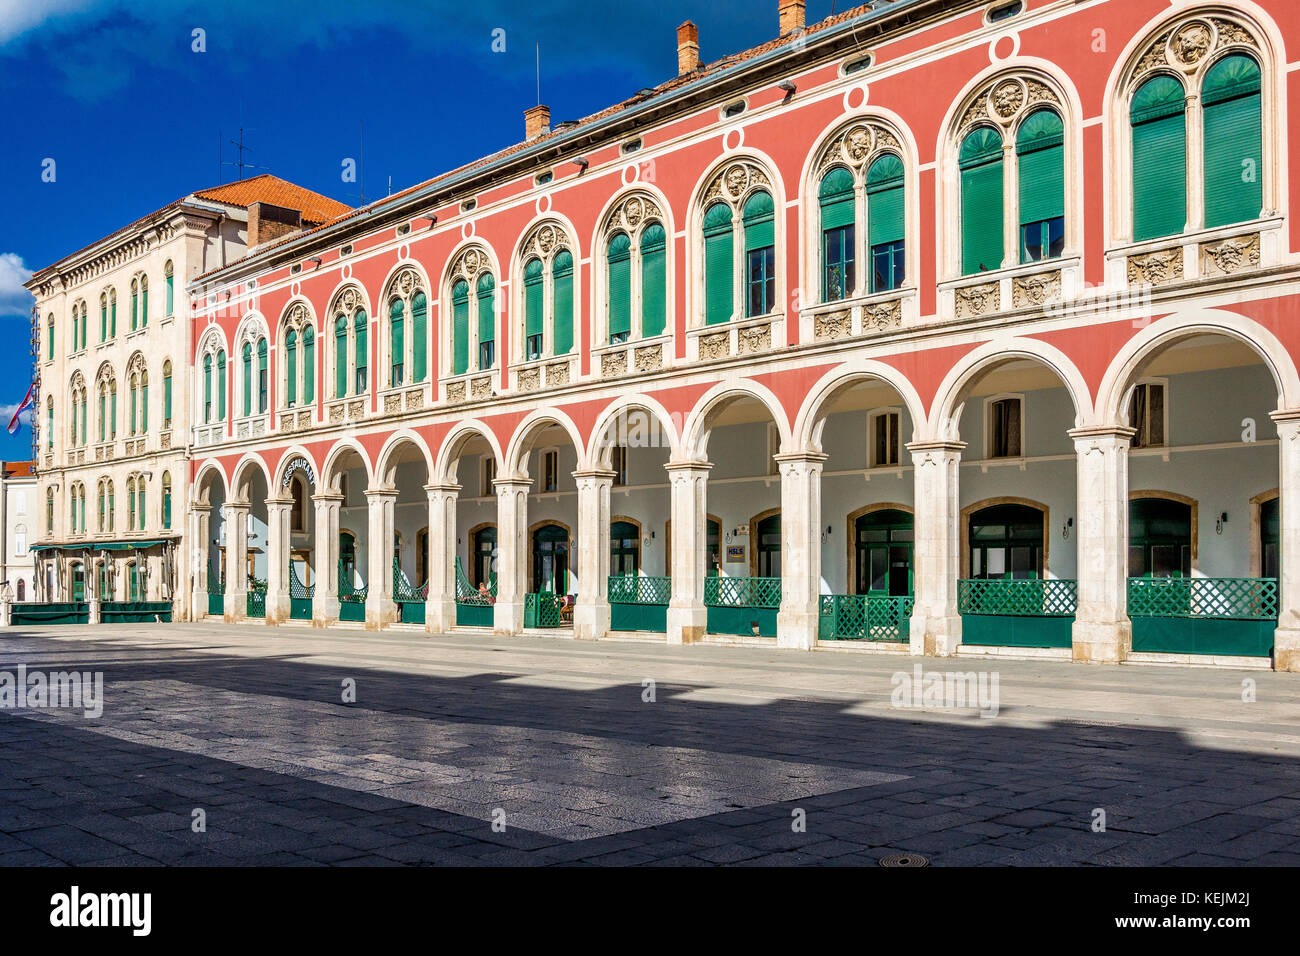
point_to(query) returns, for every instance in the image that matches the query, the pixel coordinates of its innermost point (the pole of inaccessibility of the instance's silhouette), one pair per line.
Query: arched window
(547, 302)
(1159, 538)
(408, 330)
(49, 511)
(140, 509)
(308, 365)
(130, 504)
(1159, 127)
(486, 306)
(144, 301)
(886, 217)
(207, 389)
(170, 280)
(112, 506)
(636, 271)
(351, 326)
(167, 501)
(760, 254)
(1006, 541)
(562, 279)
(144, 401)
(654, 280)
(618, 298)
(135, 304)
(1233, 148)
(221, 385)
(982, 209)
(459, 327)
(360, 326)
(100, 514)
(835, 198)
(103, 316)
(49, 338)
(291, 368)
(247, 357)
(624, 549)
(340, 356)
(1040, 158)
(133, 392)
(262, 377)
(719, 258)
(419, 337)
(112, 313)
(167, 394)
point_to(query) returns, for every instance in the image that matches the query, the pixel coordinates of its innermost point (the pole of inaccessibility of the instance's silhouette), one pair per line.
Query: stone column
(935, 627)
(278, 515)
(236, 561)
(801, 548)
(325, 599)
(1102, 631)
(381, 609)
(1286, 639)
(440, 604)
(688, 483)
(591, 612)
(512, 554)
(200, 528)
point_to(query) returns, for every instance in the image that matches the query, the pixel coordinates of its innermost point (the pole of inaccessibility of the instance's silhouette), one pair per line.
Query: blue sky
(132, 115)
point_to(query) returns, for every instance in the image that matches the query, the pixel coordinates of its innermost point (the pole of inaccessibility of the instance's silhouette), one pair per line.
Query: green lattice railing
(742, 592)
(857, 617)
(257, 599)
(542, 610)
(348, 591)
(403, 591)
(297, 590)
(1019, 598)
(467, 593)
(1250, 599)
(638, 589)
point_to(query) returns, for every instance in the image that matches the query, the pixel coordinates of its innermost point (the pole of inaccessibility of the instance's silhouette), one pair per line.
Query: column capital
(689, 464)
(238, 506)
(507, 485)
(597, 474)
(1286, 416)
(279, 502)
(436, 488)
(941, 445)
(327, 497)
(1115, 431)
(816, 457)
(380, 493)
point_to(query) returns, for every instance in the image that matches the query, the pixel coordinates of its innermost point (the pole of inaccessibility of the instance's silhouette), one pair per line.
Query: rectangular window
(533, 347)
(1004, 428)
(762, 281)
(887, 266)
(489, 476)
(486, 354)
(1042, 240)
(618, 461)
(1147, 415)
(884, 439)
(773, 449)
(550, 470)
(838, 278)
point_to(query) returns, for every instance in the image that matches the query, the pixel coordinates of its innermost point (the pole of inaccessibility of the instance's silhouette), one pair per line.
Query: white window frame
(1164, 418)
(874, 420)
(988, 426)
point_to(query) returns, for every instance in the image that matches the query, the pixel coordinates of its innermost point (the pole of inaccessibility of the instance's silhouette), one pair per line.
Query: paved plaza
(299, 746)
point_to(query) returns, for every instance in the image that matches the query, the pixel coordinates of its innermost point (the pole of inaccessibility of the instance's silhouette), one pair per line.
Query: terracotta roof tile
(266, 188)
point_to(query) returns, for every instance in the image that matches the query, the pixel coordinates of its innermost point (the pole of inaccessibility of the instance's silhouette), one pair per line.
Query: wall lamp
(581, 163)
(315, 259)
(1218, 525)
(433, 220)
(786, 86)
(1069, 523)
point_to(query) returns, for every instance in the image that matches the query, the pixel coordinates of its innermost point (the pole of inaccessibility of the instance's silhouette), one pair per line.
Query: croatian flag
(26, 403)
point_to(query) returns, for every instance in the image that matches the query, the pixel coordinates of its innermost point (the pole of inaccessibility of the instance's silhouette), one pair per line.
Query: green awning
(103, 545)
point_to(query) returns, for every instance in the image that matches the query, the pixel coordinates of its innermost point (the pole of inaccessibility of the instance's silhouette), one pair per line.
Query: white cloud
(7, 412)
(19, 16)
(14, 299)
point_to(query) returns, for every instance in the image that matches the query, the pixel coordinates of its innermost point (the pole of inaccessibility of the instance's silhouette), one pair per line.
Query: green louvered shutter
(534, 286)
(562, 274)
(263, 385)
(221, 388)
(308, 365)
(885, 222)
(248, 382)
(719, 276)
(291, 367)
(459, 327)
(654, 281)
(167, 398)
(619, 295)
(419, 337)
(836, 198)
(1233, 157)
(144, 411)
(340, 357)
(396, 342)
(760, 222)
(487, 317)
(1159, 159)
(361, 329)
(982, 205)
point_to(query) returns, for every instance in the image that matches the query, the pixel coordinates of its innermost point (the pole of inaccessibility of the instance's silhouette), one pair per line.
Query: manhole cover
(911, 860)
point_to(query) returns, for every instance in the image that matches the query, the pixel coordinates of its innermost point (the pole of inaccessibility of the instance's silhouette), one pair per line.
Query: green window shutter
(171, 293)
(396, 342)
(654, 280)
(308, 365)
(167, 508)
(836, 198)
(144, 307)
(340, 357)
(248, 381)
(459, 327)
(419, 337)
(1234, 150)
(361, 325)
(112, 420)
(221, 387)
(719, 277)
(135, 310)
(618, 297)
(144, 411)
(487, 308)
(167, 399)
(980, 161)
(207, 390)
(562, 276)
(1159, 159)
(103, 401)
(1040, 151)
(760, 222)
(291, 367)
(533, 305)
(885, 211)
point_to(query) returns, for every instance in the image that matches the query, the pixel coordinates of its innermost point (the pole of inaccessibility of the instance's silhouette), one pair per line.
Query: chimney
(792, 16)
(537, 121)
(267, 222)
(688, 48)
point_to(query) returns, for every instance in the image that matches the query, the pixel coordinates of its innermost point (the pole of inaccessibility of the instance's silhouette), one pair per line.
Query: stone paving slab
(246, 723)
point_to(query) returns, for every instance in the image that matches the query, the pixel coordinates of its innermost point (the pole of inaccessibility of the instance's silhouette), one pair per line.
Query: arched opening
(469, 465)
(251, 491)
(348, 478)
(406, 471)
(551, 569)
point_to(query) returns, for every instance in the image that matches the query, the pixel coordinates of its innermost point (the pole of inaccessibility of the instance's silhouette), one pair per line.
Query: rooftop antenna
(239, 162)
(538, 50)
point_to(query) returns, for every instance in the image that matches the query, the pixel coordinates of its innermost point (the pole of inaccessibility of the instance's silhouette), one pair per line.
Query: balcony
(550, 372)
(470, 386)
(253, 427)
(867, 315)
(340, 411)
(633, 357)
(404, 398)
(295, 420)
(1038, 285)
(210, 434)
(1205, 254)
(737, 337)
